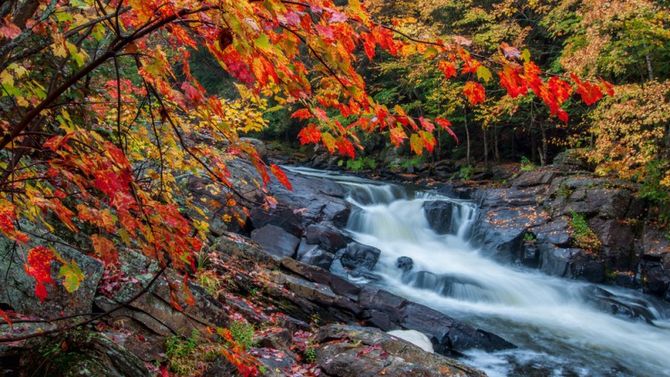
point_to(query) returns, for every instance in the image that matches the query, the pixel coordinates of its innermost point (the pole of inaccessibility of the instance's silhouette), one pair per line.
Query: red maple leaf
(38, 266)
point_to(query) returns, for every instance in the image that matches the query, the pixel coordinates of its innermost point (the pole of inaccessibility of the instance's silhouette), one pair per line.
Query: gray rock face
(439, 216)
(312, 201)
(388, 312)
(530, 223)
(86, 354)
(276, 240)
(352, 351)
(405, 263)
(153, 309)
(328, 237)
(315, 256)
(18, 290)
(357, 256)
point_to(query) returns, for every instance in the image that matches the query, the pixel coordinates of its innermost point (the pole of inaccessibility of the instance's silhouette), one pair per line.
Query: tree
(100, 113)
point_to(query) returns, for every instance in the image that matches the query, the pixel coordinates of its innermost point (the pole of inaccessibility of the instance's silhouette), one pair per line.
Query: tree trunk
(486, 145)
(496, 148)
(467, 139)
(650, 68)
(543, 155)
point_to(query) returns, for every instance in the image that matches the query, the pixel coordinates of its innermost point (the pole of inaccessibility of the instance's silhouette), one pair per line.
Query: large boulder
(352, 351)
(147, 294)
(358, 257)
(276, 240)
(326, 236)
(18, 289)
(439, 215)
(449, 336)
(570, 263)
(80, 354)
(314, 255)
(404, 263)
(313, 200)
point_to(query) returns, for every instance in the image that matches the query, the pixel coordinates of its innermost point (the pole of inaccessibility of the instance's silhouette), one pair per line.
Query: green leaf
(263, 42)
(484, 73)
(525, 55)
(72, 276)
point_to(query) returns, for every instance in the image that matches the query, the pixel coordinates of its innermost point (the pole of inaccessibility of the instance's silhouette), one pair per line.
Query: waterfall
(554, 321)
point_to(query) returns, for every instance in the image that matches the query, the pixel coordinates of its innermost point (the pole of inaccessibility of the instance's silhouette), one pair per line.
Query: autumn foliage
(101, 113)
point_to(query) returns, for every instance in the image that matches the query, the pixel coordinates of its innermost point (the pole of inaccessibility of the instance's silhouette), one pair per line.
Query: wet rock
(357, 256)
(314, 199)
(388, 312)
(448, 335)
(534, 178)
(85, 355)
(557, 232)
(318, 275)
(281, 217)
(405, 263)
(439, 216)
(617, 239)
(655, 278)
(571, 160)
(17, 290)
(314, 255)
(570, 263)
(655, 243)
(329, 238)
(276, 362)
(351, 351)
(276, 240)
(618, 305)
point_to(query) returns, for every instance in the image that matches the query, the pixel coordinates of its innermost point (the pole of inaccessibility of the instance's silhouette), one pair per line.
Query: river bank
(306, 269)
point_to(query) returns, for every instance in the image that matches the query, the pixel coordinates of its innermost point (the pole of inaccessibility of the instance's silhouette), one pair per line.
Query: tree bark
(486, 145)
(467, 138)
(650, 68)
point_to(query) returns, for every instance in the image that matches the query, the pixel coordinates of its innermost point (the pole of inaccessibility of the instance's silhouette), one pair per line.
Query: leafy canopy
(100, 114)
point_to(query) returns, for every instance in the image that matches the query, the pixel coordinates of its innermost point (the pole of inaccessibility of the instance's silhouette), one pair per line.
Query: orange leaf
(368, 45)
(346, 148)
(447, 68)
(281, 176)
(474, 92)
(310, 135)
(398, 136)
(104, 249)
(302, 114)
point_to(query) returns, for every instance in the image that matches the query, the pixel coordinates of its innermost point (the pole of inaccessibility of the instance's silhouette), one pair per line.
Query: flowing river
(558, 330)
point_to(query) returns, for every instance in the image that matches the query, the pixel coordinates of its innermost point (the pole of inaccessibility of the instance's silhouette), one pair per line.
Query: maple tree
(100, 112)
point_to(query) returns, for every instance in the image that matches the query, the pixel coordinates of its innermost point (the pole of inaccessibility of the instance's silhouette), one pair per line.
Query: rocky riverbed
(276, 269)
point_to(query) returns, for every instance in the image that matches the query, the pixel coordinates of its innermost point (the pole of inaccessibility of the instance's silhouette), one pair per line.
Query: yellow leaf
(484, 73)
(72, 276)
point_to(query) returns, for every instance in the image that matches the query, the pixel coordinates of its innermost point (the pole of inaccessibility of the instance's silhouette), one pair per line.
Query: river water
(553, 321)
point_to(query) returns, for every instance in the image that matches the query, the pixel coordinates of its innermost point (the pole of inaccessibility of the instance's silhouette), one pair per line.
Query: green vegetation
(585, 238)
(310, 354)
(526, 164)
(181, 353)
(465, 172)
(243, 333)
(529, 237)
(359, 164)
